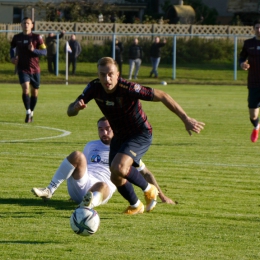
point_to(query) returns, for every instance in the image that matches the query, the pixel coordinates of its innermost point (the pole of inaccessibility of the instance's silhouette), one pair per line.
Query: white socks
(97, 199)
(136, 204)
(148, 187)
(63, 173)
(28, 111)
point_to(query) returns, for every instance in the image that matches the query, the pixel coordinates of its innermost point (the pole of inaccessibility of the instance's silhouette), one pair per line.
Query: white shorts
(77, 189)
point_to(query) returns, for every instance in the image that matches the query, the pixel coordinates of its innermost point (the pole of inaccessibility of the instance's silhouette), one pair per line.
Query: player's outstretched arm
(75, 107)
(151, 179)
(191, 124)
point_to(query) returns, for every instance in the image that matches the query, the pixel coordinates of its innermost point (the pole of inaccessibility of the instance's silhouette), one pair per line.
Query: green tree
(204, 14)
(79, 11)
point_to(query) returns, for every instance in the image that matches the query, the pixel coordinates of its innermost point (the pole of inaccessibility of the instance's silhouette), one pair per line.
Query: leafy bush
(197, 50)
(4, 49)
(193, 49)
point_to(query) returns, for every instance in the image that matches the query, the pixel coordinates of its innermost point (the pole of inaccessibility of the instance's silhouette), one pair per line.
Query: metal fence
(170, 36)
(98, 32)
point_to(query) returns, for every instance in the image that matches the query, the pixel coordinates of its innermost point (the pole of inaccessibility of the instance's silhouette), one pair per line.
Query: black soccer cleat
(28, 118)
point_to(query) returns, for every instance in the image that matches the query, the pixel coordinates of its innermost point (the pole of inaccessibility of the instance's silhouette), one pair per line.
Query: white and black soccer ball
(84, 221)
(164, 83)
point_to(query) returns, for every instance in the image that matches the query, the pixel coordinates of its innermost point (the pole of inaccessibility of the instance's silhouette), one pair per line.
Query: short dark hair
(102, 119)
(26, 18)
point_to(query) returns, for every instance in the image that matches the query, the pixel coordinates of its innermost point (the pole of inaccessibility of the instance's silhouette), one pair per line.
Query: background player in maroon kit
(28, 47)
(119, 101)
(250, 60)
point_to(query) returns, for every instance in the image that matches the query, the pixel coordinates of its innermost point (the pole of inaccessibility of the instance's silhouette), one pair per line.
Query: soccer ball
(84, 221)
(164, 83)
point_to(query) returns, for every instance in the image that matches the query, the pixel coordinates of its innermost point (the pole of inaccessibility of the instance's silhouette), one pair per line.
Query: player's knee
(118, 170)
(102, 185)
(115, 179)
(76, 157)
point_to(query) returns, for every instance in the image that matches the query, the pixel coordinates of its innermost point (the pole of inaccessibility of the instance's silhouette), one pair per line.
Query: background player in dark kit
(26, 47)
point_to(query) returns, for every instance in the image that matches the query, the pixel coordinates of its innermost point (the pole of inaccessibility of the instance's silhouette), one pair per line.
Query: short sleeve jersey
(97, 154)
(28, 61)
(122, 108)
(251, 52)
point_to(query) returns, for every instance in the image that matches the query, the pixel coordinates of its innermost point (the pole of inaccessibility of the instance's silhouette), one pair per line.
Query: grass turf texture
(210, 73)
(213, 175)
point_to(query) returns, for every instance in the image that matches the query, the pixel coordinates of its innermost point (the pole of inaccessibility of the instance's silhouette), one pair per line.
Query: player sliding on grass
(88, 174)
(119, 101)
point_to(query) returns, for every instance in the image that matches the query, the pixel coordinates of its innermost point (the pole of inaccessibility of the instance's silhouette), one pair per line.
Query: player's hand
(192, 125)
(79, 105)
(167, 200)
(31, 47)
(245, 65)
(15, 60)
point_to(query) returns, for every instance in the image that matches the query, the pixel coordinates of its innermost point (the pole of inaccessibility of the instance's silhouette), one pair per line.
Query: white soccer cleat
(87, 200)
(43, 193)
(92, 199)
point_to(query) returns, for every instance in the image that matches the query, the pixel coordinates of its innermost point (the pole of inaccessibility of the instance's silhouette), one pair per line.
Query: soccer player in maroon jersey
(119, 101)
(250, 60)
(28, 47)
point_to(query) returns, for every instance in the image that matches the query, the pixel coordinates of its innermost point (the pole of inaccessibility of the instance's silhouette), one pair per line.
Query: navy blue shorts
(135, 147)
(253, 98)
(34, 79)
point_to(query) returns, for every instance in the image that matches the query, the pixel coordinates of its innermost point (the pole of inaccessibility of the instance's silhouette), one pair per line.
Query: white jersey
(97, 170)
(97, 155)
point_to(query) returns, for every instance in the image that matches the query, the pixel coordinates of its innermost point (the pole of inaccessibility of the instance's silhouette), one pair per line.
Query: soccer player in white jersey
(88, 174)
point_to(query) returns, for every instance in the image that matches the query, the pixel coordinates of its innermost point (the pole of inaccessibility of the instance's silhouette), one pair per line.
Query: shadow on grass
(57, 204)
(25, 242)
(173, 144)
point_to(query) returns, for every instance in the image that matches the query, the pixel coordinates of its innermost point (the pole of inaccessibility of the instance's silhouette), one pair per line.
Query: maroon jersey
(251, 52)
(28, 61)
(122, 108)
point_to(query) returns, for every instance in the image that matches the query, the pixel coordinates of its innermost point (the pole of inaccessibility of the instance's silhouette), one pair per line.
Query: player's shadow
(57, 204)
(173, 144)
(25, 242)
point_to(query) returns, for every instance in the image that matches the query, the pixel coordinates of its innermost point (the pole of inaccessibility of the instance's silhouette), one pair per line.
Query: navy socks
(135, 177)
(127, 191)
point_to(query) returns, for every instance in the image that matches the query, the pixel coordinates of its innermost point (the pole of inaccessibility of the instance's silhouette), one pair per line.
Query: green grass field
(188, 73)
(214, 176)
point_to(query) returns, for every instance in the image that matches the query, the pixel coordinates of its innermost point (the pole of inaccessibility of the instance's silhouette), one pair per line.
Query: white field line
(206, 163)
(64, 133)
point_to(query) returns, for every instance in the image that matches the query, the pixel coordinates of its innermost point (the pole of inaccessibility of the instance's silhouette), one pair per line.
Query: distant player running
(250, 60)
(26, 47)
(88, 173)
